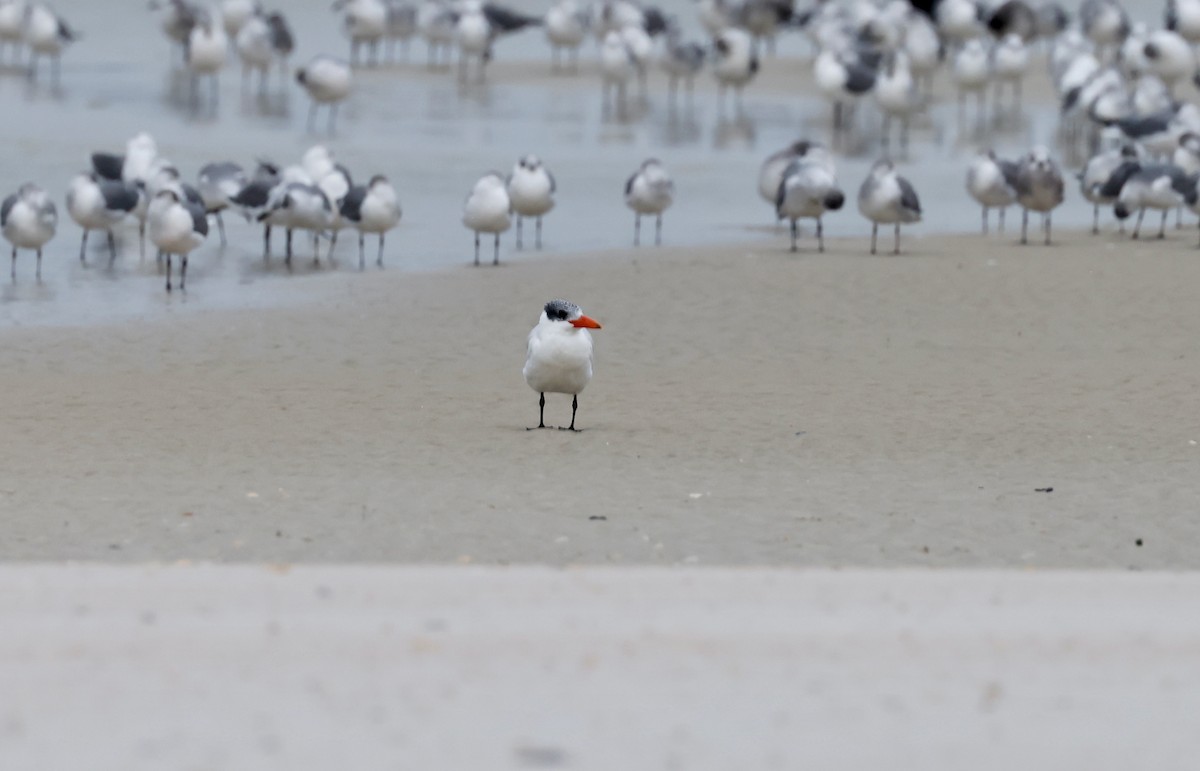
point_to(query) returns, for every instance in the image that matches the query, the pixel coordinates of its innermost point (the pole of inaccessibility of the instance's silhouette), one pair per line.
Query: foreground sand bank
(749, 406)
(595, 669)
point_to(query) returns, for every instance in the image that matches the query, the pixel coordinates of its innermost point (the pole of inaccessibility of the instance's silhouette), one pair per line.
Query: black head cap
(561, 310)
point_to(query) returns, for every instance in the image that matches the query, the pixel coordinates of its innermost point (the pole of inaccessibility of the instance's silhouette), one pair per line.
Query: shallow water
(432, 138)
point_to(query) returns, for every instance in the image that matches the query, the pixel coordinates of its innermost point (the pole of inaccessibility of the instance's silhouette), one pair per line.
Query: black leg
(874, 235)
(574, 408)
(1002, 210)
(1095, 219)
(379, 259)
(794, 235)
(658, 230)
(362, 260)
(83, 249)
(519, 240)
(168, 258)
(287, 260)
(820, 236)
(266, 242)
(541, 413)
(112, 249)
(1162, 230)
(221, 229)
(1137, 227)
(39, 264)
(1047, 225)
(538, 242)
(637, 228)
(985, 220)
(476, 248)
(496, 251)
(182, 272)
(14, 264)
(897, 249)
(1024, 225)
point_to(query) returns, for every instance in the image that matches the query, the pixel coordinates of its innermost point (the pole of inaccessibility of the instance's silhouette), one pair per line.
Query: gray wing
(1112, 186)
(119, 196)
(224, 170)
(859, 79)
(107, 165)
(192, 194)
(908, 195)
(199, 217)
(553, 184)
(1011, 171)
(629, 183)
(352, 203)
(6, 207)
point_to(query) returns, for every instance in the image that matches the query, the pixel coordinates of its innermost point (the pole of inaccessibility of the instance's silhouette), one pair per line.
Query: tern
(559, 358)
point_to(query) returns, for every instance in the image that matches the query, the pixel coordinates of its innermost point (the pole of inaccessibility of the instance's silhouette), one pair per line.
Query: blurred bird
(372, 209)
(886, 198)
(1039, 185)
(487, 210)
(327, 81)
(808, 190)
(28, 219)
(649, 191)
(531, 191)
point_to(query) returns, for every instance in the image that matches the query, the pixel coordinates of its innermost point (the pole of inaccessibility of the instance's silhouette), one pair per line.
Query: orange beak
(584, 321)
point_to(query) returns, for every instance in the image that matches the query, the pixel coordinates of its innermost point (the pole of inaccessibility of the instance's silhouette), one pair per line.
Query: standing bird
(253, 198)
(47, 34)
(97, 204)
(28, 219)
(1010, 60)
(218, 184)
(299, 206)
(327, 81)
(1039, 186)
(843, 79)
(886, 198)
(735, 64)
(206, 51)
(1105, 23)
(263, 41)
(487, 210)
(365, 22)
(992, 182)
(898, 96)
(617, 67)
(559, 357)
(566, 26)
(177, 227)
(972, 71)
(435, 23)
(681, 61)
(1161, 186)
(531, 191)
(1094, 180)
(372, 209)
(12, 32)
(770, 175)
(808, 190)
(474, 39)
(649, 191)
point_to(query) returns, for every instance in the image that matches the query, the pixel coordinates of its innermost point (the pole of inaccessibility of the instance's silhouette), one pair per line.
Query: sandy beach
(750, 406)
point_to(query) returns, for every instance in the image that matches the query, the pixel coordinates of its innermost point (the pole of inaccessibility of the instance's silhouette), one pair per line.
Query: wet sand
(749, 407)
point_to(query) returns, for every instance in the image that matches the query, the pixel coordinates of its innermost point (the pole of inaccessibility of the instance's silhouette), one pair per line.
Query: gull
(261, 42)
(218, 184)
(735, 63)
(641, 49)
(992, 182)
(649, 191)
(253, 198)
(566, 26)
(923, 47)
(559, 357)
(808, 190)
(435, 23)
(1169, 56)
(1183, 16)
(896, 92)
(1039, 186)
(762, 18)
(886, 198)
(531, 189)
(97, 204)
(140, 154)
(1105, 22)
(1157, 133)
(1161, 186)
(299, 206)
(47, 34)
(372, 209)
(770, 174)
(177, 227)
(28, 219)
(401, 26)
(1010, 61)
(843, 79)
(327, 81)
(971, 71)
(336, 185)
(617, 66)
(958, 21)
(206, 51)
(365, 22)
(681, 61)
(176, 21)
(12, 27)
(235, 14)
(487, 210)
(474, 38)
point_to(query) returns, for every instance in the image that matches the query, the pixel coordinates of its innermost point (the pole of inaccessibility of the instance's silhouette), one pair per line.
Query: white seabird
(28, 219)
(559, 357)
(487, 210)
(886, 198)
(531, 189)
(650, 190)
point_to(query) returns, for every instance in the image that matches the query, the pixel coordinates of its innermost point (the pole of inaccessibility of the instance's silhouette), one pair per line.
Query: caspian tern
(560, 356)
